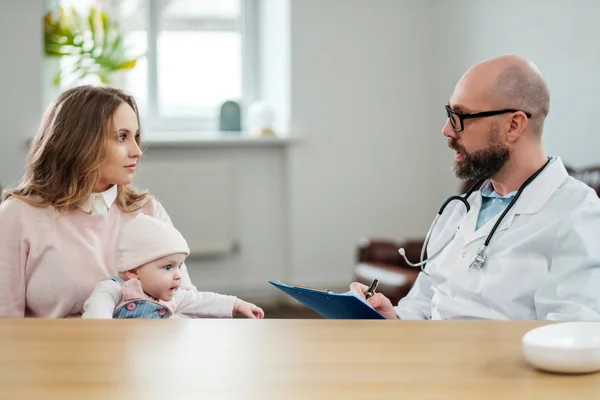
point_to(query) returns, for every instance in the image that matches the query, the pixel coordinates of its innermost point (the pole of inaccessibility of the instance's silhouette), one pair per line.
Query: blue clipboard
(331, 305)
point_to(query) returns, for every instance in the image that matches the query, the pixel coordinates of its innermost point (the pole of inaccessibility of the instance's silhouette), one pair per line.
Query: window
(200, 53)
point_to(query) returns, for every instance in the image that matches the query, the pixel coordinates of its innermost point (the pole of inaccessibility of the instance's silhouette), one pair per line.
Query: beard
(481, 164)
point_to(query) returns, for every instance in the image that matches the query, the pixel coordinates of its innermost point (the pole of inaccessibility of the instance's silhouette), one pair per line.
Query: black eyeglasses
(457, 119)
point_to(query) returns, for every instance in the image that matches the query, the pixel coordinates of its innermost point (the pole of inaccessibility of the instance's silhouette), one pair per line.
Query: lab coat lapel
(538, 193)
(467, 228)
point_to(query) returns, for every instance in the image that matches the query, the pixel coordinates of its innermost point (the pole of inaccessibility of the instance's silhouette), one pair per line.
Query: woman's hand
(242, 308)
(378, 301)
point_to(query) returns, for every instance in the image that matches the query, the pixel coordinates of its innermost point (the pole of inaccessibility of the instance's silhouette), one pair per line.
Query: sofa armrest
(385, 251)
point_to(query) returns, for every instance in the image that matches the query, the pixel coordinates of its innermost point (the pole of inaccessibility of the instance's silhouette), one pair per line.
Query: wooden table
(274, 359)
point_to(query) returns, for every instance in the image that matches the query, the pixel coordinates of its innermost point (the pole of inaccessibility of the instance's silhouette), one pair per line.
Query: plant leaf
(130, 64)
(92, 23)
(95, 43)
(57, 78)
(106, 31)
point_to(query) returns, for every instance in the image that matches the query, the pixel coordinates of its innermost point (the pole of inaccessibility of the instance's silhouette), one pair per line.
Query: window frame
(248, 28)
(151, 120)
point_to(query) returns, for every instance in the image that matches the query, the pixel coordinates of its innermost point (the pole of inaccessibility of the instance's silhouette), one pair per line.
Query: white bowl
(569, 347)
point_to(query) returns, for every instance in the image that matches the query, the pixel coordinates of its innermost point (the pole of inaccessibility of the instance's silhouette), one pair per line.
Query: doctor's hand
(377, 301)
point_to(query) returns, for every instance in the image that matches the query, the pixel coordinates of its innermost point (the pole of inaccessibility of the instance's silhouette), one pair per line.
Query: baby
(149, 255)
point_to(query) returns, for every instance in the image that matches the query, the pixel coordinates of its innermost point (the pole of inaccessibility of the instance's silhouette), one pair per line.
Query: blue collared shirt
(491, 203)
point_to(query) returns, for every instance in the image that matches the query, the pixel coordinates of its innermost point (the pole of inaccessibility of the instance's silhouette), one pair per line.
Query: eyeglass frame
(462, 117)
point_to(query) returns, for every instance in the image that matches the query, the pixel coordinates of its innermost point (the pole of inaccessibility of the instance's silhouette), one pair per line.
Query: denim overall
(140, 307)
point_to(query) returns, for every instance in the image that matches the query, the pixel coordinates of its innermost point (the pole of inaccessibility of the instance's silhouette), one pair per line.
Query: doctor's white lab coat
(543, 260)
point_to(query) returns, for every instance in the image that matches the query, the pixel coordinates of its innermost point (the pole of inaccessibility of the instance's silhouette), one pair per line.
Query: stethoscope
(481, 255)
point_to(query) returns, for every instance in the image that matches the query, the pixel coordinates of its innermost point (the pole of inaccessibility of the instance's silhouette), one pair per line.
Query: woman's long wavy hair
(65, 157)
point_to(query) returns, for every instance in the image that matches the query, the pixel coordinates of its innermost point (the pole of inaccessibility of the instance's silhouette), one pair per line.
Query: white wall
(361, 99)
(20, 83)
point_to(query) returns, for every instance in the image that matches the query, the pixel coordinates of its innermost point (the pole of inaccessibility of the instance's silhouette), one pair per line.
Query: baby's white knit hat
(144, 239)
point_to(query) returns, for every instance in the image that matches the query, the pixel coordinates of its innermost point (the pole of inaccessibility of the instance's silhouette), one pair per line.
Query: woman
(58, 227)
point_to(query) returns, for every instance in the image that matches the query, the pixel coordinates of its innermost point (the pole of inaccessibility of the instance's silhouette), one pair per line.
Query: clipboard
(348, 305)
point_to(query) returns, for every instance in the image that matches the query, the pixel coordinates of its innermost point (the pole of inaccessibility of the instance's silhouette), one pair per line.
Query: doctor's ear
(518, 124)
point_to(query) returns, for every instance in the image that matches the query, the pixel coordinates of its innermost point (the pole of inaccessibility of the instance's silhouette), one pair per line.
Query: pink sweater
(50, 263)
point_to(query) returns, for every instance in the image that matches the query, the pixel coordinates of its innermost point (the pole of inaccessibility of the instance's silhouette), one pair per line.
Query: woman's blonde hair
(65, 157)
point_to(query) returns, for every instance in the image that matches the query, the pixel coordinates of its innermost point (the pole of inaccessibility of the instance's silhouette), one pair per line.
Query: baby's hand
(242, 308)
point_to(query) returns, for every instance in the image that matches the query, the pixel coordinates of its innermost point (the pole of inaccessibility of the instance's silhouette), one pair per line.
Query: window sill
(211, 139)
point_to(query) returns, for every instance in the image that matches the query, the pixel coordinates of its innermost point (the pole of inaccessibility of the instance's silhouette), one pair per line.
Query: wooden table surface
(274, 359)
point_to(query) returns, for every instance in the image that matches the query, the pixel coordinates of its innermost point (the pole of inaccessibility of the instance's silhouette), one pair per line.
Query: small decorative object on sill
(93, 43)
(230, 117)
(261, 120)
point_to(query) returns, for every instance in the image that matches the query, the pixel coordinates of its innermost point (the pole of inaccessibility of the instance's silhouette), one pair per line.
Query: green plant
(93, 43)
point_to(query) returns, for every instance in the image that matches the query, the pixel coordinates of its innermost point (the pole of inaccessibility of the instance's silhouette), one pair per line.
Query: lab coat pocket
(513, 280)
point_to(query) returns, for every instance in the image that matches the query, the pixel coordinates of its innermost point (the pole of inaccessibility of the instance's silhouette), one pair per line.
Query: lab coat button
(464, 254)
(453, 294)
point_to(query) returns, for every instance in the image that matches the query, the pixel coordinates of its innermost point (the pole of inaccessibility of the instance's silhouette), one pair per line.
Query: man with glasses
(526, 246)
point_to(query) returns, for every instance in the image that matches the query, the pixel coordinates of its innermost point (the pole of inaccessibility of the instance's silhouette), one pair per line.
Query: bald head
(513, 82)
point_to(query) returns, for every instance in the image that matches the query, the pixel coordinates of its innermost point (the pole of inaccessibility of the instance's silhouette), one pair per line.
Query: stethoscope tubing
(481, 256)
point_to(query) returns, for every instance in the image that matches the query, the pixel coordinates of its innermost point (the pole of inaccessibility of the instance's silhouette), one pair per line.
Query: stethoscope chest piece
(480, 258)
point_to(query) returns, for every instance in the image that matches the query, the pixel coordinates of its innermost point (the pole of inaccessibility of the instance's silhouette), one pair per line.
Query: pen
(372, 288)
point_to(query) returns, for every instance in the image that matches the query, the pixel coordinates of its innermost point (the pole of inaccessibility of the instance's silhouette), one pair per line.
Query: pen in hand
(372, 288)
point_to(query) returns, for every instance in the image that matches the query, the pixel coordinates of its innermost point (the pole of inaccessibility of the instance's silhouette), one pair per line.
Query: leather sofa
(379, 257)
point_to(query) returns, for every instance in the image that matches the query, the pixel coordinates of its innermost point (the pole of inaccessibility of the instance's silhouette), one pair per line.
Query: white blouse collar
(100, 203)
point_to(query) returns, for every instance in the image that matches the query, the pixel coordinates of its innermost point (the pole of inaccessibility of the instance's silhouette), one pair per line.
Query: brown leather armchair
(379, 257)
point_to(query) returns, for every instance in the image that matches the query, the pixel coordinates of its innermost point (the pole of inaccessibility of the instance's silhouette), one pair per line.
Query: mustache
(453, 144)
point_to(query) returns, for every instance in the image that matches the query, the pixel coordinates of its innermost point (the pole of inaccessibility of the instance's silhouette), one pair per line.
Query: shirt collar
(100, 203)
(487, 190)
